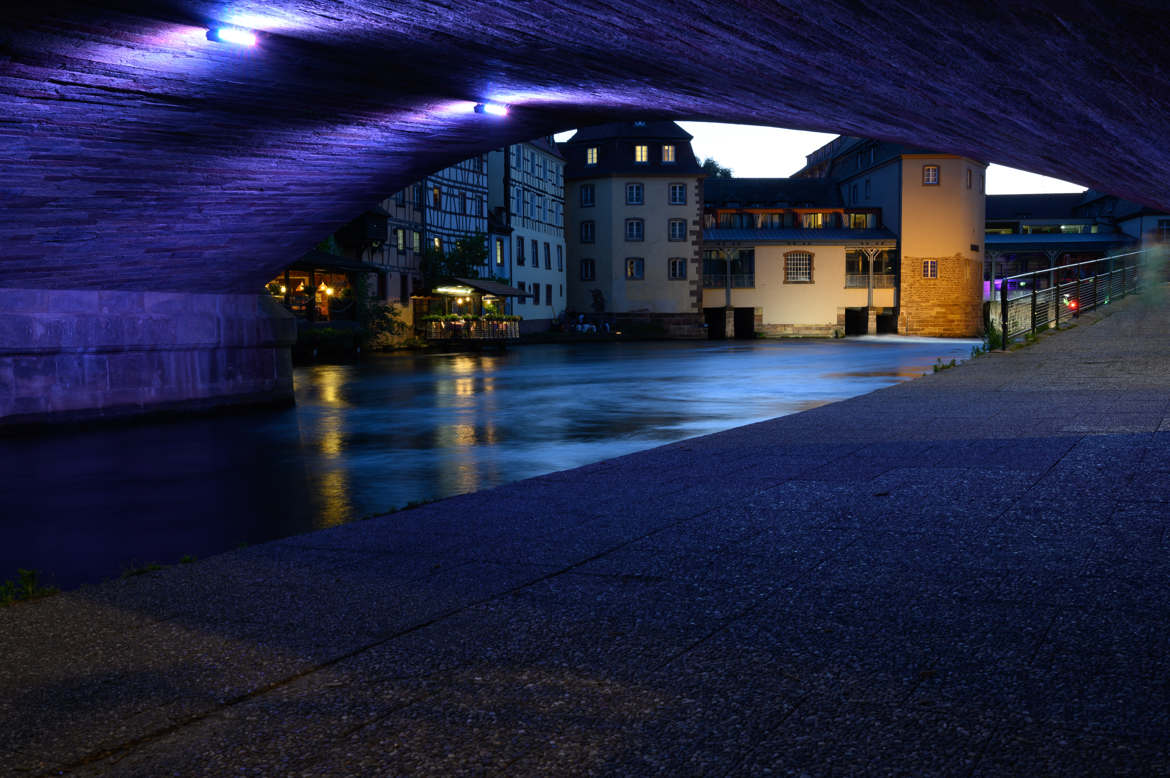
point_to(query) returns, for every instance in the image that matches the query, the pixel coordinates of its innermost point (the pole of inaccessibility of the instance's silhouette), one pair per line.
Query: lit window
(400, 240)
(678, 194)
(930, 268)
(436, 198)
(635, 194)
(678, 269)
(416, 244)
(858, 221)
(635, 268)
(798, 267)
(591, 155)
(587, 232)
(667, 153)
(587, 193)
(588, 270)
(635, 229)
(438, 244)
(678, 229)
(930, 175)
(641, 153)
(812, 221)
(499, 251)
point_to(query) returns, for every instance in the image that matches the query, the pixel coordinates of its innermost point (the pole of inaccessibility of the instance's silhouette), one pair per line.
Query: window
(438, 244)
(464, 205)
(970, 178)
(635, 268)
(587, 194)
(743, 268)
(812, 221)
(641, 153)
(678, 194)
(798, 267)
(678, 229)
(520, 251)
(858, 221)
(588, 270)
(500, 251)
(930, 175)
(560, 257)
(930, 268)
(400, 198)
(516, 157)
(547, 257)
(436, 198)
(667, 153)
(418, 194)
(982, 183)
(535, 253)
(591, 155)
(518, 202)
(400, 240)
(520, 285)
(868, 191)
(872, 154)
(635, 194)
(587, 232)
(853, 194)
(548, 294)
(677, 269)
(416, 244)
(635, 229)
(536, 294)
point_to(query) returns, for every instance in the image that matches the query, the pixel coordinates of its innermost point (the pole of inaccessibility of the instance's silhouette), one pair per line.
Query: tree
(714, 169)
(467, 259)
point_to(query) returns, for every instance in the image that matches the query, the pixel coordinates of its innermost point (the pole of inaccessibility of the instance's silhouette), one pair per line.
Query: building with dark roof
(633, 197)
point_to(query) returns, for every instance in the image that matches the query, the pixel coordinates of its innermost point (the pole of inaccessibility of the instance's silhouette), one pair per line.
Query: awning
(494, 288)
(322, 260)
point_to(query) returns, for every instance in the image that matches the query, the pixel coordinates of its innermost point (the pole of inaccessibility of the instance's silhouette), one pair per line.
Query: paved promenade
(966, 574)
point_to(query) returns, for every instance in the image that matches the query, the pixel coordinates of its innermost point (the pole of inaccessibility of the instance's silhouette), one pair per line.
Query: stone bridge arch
(152, 179)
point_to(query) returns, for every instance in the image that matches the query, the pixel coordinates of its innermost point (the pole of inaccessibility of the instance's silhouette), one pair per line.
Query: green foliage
(994, 339)
(25, 587)
(939, 366)
(466, 260)
(714, 169)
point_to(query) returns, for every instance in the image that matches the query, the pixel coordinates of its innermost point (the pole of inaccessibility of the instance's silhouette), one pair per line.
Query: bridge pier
(67, 355)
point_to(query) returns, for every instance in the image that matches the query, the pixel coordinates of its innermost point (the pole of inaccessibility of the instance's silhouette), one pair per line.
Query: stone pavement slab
(965, 574)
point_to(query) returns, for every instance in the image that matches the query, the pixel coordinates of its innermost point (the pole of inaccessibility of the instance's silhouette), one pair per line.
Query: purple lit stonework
(137, 155)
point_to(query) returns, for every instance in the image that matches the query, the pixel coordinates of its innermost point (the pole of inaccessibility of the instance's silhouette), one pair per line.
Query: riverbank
(963, 574)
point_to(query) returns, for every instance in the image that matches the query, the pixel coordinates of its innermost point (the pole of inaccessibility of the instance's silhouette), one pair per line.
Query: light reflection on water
(368, 438)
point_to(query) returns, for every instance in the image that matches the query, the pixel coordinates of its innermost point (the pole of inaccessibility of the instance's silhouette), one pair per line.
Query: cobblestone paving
(966, 574)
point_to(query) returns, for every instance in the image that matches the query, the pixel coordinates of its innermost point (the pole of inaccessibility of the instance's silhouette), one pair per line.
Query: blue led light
(495, 109)
(232, 35)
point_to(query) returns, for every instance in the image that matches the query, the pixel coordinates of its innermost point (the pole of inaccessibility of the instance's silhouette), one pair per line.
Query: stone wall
(949, 306)
(75, 354)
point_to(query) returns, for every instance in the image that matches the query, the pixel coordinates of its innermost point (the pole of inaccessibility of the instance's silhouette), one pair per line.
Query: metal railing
(738, 280)
(1041, 299)
(472, 330)
(861, 281)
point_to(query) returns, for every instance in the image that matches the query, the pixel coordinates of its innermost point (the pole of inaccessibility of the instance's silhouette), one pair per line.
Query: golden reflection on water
(334, 496)
(329, 381)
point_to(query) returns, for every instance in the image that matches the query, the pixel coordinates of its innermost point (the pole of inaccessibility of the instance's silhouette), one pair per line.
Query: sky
(769, 152)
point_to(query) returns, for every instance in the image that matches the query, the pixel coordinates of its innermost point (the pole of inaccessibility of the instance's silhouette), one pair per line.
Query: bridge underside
(138, 156)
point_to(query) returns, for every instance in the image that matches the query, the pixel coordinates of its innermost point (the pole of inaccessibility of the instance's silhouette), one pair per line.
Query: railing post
(1097, 286)
(1003, 323)
(1033, 306)
(1056, 302)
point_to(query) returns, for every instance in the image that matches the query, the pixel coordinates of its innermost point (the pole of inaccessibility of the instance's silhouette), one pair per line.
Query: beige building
(633, 199)
(868, 237)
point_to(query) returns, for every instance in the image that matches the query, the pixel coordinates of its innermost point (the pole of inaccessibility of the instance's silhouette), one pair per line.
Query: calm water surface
(363, 439)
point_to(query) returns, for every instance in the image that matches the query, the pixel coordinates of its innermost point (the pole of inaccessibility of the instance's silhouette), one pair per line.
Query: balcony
(738, 280)
(861, 281)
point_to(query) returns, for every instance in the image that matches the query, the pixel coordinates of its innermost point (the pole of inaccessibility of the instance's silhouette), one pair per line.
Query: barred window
(798, 266)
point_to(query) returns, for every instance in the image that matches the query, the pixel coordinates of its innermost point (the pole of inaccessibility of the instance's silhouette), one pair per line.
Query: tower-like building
(633, 199)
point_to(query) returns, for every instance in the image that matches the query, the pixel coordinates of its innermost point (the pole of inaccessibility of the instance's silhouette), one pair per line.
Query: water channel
(86, 504)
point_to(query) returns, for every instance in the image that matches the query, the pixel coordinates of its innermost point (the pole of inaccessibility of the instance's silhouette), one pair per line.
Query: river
(87, 504)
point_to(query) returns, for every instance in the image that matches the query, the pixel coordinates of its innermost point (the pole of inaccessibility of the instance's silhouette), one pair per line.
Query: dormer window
(667, 153)
(591, 155)
(641, 153)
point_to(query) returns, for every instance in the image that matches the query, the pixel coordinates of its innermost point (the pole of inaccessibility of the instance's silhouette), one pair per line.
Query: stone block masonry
(74, 354)
(941, 297)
